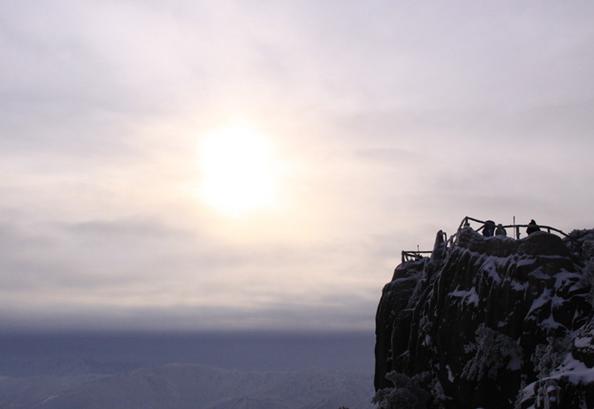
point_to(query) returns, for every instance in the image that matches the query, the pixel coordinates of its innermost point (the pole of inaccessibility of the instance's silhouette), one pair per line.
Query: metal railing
(413, 255)
(515, 227)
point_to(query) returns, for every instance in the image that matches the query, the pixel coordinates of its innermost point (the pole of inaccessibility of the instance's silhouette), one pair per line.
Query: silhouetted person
(439, 240)
(489, 228)
(500, 230)
(439, 248)
(532, 227)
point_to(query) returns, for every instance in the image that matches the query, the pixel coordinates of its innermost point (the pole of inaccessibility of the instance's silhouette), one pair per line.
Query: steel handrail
(408, 255)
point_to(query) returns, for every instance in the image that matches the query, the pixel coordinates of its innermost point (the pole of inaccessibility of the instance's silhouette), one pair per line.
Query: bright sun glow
(239, 171)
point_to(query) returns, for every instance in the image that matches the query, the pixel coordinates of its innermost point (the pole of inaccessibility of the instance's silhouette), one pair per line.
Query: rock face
(490, 323)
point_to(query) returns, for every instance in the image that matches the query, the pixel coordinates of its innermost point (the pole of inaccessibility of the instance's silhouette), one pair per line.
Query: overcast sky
(391, 120)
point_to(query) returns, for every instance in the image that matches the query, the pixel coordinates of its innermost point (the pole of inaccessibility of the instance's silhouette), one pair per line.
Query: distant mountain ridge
(190, 386)
(490, 322)
(201, 370)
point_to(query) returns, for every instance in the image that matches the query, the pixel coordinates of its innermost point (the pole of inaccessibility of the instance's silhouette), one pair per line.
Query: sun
(239, 171)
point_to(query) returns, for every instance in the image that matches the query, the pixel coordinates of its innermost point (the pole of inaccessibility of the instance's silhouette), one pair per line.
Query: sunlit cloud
(130, 189)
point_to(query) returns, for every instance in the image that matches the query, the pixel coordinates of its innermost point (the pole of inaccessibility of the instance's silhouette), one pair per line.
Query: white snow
(490, 267)
(543, 298)
(450, 374)
(575, 371)
(583, 342)
(467, 296)
(539, 274)
(526, 262)
(550, 322)
(517, 286)
(565, 277)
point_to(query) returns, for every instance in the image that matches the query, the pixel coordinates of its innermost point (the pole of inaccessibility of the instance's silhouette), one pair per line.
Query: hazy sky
(386, 121)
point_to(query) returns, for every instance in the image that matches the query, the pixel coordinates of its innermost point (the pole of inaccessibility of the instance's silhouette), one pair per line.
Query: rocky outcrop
(491, 323)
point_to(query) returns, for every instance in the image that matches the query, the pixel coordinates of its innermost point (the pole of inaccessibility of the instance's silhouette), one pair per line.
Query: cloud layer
(394, 119)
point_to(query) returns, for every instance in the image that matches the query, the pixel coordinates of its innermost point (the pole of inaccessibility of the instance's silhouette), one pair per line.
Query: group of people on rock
(490, 229)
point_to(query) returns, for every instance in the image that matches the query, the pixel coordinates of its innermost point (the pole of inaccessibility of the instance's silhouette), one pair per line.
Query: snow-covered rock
(494, 323)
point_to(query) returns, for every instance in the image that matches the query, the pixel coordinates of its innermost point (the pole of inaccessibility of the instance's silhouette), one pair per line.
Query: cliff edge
(489, 322)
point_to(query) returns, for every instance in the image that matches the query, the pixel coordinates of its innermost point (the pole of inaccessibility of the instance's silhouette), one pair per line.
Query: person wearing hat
(489, 228)
(532, 227)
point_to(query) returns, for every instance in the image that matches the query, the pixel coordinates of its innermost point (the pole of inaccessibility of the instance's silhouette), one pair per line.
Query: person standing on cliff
(532, 227)
(489, 228)
(500, 231)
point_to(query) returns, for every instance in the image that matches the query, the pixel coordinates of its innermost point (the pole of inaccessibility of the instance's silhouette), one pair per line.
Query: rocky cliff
(489, 322)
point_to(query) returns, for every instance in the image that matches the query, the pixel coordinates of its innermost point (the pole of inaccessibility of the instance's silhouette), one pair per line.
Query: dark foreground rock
(491, 323)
